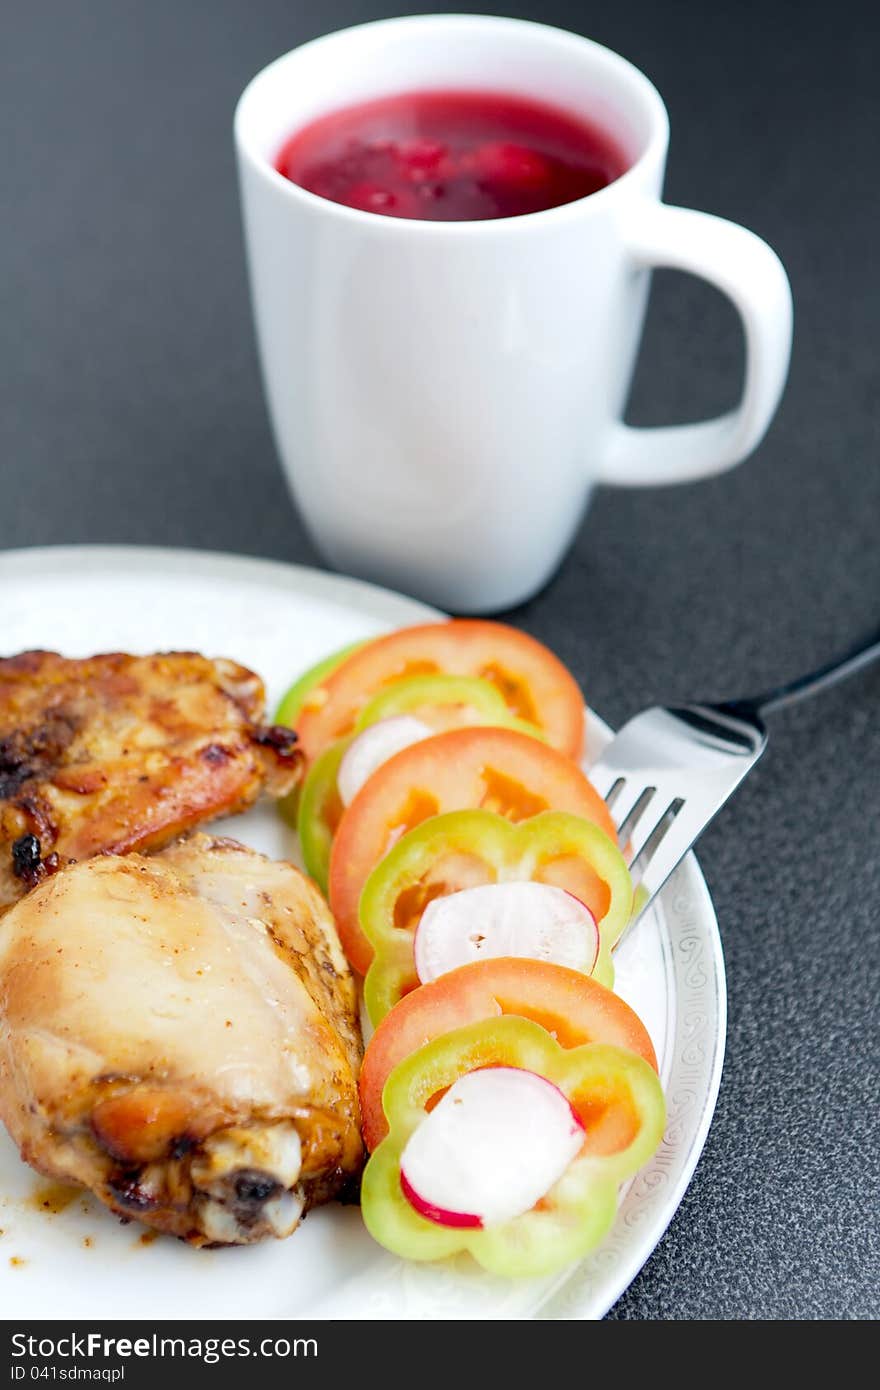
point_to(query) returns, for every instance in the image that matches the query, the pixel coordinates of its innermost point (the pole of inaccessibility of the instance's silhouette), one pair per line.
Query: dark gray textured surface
(130, 410)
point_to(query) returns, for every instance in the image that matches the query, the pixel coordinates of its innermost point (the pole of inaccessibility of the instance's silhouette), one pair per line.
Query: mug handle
(744, 268)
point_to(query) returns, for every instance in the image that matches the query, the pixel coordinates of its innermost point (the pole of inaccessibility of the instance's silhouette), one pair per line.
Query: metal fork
(669, 771)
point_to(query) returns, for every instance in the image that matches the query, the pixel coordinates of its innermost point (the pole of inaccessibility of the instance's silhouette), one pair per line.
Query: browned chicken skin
(179, 1034)
(116, 753)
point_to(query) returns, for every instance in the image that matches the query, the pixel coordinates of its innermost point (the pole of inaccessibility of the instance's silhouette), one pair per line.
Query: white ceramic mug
(445, 395)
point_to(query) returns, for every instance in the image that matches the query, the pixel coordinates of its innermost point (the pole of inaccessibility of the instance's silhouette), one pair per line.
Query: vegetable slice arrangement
(474, 874)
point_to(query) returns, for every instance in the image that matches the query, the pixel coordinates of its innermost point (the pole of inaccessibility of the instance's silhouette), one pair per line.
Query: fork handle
(862, 654)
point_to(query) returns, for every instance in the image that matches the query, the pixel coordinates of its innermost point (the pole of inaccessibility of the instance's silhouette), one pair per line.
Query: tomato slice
(573, 1007)
(533, 682)
(499, 770)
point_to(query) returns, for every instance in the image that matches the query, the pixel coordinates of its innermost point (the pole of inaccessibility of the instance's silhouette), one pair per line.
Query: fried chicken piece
(179, 1034)
(116, 753)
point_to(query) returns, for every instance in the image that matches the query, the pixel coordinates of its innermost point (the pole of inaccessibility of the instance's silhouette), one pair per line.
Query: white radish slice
(493, 1147)
(534, 920)
(373, 747)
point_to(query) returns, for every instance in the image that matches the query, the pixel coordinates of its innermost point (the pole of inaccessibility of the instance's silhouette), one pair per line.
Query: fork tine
(646, 845)
(689, 822)
(625, 801)
(613, 791)
(628, 824)
(612, 784)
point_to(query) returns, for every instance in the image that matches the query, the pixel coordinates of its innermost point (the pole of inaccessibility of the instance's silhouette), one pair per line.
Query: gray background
(130, 410)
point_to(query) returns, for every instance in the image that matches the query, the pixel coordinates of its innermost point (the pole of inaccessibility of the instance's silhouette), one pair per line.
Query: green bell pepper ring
(618, 1097)
(483, 847)
(474, 700)
(320, 811)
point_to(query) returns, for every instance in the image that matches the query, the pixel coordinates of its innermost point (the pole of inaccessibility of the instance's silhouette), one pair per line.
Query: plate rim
(367, 597)
(687, 886)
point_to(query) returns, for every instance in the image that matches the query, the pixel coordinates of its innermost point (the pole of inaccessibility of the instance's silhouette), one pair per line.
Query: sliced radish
(534, 920)
(493, 1147)
(441, 1215)
(375, 746)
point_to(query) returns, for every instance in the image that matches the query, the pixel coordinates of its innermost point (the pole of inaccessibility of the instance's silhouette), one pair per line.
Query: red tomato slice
(535, 684)
(497, 769)
(575, 1008)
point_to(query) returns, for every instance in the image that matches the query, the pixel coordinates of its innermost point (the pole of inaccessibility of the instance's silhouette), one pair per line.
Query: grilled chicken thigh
(116, 753)
(179, 1034)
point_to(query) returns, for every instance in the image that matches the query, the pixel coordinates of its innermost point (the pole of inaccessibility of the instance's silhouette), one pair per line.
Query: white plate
(279, 619)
